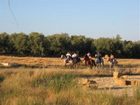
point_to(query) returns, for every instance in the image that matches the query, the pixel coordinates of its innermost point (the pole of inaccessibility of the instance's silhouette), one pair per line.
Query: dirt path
(108, 84)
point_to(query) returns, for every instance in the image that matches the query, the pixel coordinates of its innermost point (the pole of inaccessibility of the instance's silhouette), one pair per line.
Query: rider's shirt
(74, 55)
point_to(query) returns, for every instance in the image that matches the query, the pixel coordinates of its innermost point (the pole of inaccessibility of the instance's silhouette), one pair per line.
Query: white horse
(71, 61)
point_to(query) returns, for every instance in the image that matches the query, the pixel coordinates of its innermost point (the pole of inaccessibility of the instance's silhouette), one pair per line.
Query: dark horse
(89, 62)
(69, 60)
(99, 62)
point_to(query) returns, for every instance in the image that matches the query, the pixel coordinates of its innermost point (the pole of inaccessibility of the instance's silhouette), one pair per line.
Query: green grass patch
(57, 82)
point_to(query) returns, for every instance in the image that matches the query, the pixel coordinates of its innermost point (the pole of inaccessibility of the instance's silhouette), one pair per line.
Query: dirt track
(108, 84)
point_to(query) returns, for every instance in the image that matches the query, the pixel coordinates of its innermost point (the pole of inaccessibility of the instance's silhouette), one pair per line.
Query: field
(55, 61)
(45, 81)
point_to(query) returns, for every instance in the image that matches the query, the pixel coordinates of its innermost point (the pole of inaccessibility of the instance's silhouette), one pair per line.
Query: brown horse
(89, 61)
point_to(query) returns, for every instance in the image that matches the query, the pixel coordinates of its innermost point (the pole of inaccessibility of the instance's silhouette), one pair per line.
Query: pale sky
(92, 18)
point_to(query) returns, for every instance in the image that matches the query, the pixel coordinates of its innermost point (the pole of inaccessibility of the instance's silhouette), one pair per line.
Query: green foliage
(59, 44)
(36, 41)
(37, 44)
(20, 43)
(5, 45)
(104, 44)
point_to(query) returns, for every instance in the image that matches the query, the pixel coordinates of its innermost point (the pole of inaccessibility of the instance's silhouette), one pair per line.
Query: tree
(117, 46)
(37, 44)
(128, 47)
(104, 44)
(5, 45)
(20, 43)
(78, 44)
(136, 50)
(59, 44)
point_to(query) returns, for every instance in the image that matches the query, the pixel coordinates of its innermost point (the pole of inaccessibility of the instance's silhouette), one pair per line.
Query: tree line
(37, 44)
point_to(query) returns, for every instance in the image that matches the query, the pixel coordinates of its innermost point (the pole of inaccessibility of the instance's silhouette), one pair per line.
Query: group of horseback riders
(89, 60)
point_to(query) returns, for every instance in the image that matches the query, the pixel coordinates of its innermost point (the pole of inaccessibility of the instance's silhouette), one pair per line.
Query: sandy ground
(53, 61)
(108, 84)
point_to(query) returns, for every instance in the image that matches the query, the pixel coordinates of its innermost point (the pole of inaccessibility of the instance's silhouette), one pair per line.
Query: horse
(112, 61)
(99, 62)
(73, 61)
(88, 61)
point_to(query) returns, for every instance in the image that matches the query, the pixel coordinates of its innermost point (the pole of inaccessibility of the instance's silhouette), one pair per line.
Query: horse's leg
(102, 62)
(112, 64)
(94, 63)
(91, 66)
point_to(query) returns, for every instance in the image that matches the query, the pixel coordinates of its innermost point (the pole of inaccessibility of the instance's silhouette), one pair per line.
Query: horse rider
(112, 60)
(98, 57)
(87, 58)
(76, 58)
(74, 55)
(89, 55)
(68, 56)
(112, 57)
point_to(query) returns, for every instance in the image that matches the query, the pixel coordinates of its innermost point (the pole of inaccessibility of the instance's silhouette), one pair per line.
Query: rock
(92, 84)
(88, 83)
(127, 82)
(122, 82)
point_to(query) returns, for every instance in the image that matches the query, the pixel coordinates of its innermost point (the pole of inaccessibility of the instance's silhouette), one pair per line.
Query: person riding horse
(68, 56)
(112, 60)
(98, 59)
(89, 60)
(75, 58)
(71, 59)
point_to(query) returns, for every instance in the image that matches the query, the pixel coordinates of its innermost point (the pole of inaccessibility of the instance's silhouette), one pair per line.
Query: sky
(92, 18)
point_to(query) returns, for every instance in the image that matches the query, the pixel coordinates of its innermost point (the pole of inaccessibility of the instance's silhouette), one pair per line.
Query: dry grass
(31, 60)
(57, 85)
(53, 61)
(54, 87)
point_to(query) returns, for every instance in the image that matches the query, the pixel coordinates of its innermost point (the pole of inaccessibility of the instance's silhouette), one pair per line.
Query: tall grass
(57, 81)
(43, 87)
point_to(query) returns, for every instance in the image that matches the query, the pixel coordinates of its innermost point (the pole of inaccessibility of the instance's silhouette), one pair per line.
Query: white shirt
(74, 55)
(68, 54)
